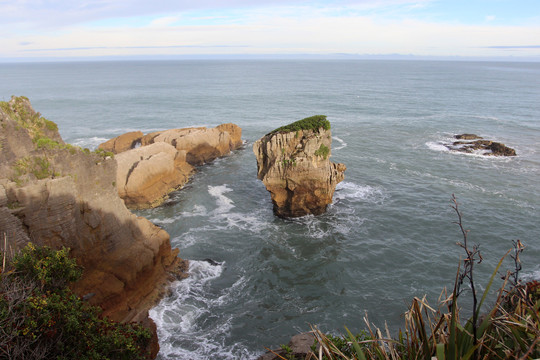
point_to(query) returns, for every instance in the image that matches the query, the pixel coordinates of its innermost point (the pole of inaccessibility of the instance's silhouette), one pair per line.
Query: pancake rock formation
(58, 195)
(165, 160)
(294, 164)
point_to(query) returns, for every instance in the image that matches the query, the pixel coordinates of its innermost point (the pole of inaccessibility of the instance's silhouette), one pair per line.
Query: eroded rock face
(296, 169)
(164, 161)
(123, 142)
(63, 196)
(147, 174)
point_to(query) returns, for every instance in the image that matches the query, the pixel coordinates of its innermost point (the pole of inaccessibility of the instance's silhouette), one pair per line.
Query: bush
(323, 151)
(310, 123)
(41, 318)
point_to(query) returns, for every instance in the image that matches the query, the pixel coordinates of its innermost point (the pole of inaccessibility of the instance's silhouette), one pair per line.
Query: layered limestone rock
(201, 144)
(294, 164)
(148, 173)
(59, 195)
(123, 142)
(164, 161)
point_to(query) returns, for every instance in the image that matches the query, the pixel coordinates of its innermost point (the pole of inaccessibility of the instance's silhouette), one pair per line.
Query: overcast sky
(72, 28)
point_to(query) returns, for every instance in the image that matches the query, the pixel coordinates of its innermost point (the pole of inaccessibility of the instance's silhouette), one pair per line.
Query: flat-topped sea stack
(151, 166)
(294, 164)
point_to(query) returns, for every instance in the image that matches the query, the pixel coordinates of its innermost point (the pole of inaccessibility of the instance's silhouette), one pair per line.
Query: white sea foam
(437, 146)
(224, 203)
(341, 142)
(353, 192)
(91, 143)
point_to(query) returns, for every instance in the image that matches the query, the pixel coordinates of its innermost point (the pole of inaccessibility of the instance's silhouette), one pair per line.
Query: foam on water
(353, 192)
(342, 143)
(91, 143)
(224, 203)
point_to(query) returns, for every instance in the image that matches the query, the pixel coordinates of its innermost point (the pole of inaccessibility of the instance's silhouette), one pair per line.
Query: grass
(315, 122)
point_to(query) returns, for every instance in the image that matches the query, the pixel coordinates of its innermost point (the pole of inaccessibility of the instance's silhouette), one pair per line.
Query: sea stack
(294, 164)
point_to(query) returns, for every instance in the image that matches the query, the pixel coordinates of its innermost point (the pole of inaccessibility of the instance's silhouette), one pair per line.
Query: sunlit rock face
(296, 169)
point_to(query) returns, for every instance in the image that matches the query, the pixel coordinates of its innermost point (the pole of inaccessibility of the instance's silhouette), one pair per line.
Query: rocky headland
(469, 143)
(294, 164)
(59, 195)
(151, 166)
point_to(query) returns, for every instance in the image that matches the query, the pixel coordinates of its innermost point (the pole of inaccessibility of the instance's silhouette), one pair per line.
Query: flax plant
(509, 329)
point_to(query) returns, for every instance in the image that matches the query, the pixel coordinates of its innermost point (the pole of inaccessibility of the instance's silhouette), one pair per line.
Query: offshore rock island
(294, 164)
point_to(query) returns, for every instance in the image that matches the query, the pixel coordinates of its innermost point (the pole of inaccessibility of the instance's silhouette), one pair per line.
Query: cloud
(490, 17)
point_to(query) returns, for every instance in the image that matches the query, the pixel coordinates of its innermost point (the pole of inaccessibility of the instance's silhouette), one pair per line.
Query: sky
(42, 29)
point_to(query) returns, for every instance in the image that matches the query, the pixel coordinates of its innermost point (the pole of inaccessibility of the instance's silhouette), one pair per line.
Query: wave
(91, 143)
(186, 320)
(224, 203)
(353, 192)
(341, 142)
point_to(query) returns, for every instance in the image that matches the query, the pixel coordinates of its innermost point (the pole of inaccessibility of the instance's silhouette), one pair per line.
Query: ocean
(389, 235)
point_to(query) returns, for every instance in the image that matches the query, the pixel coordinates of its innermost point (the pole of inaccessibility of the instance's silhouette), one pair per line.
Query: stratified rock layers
(296, 170)
(165, 160)
(59, 195)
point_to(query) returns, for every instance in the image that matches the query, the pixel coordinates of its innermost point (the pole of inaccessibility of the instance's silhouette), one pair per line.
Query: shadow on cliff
(127, 260)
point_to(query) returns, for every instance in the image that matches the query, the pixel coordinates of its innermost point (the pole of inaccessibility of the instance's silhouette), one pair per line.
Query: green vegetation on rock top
(19, 109)
(310, 123)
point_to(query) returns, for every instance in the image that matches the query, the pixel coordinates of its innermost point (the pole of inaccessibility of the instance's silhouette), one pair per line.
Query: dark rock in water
(300, 347)
(467, 137)
(491, 148)
(499, 149)
(212, 262)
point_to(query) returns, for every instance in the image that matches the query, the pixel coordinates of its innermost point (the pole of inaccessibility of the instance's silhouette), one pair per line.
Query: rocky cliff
(294, 164)
(165, 160)
(58, 195)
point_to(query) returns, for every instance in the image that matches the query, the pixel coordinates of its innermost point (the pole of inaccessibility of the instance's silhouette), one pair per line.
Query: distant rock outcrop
(471, 142)
(164, 161)
(58, 195)
(294, 164)
(123, 142)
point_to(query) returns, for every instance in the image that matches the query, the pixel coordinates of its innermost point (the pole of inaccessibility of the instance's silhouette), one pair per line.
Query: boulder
(122, 143)
(296, 169)
(147, 174)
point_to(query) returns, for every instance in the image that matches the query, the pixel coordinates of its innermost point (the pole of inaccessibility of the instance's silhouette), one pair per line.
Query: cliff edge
(294, 164)
(56, 194)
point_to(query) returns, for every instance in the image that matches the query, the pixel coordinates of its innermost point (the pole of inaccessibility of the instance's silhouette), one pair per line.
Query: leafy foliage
(310, 123)
(322, 151)
(41, 318)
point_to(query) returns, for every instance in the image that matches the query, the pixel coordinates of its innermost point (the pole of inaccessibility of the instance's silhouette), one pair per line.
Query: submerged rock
(294, 164)
(471, 142)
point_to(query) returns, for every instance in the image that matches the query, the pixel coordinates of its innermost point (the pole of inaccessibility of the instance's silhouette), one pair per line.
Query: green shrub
(310, 123)
(41, 318)
(322, 151)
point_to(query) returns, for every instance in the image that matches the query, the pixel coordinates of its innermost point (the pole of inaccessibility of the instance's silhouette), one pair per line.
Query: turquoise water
(388, 236)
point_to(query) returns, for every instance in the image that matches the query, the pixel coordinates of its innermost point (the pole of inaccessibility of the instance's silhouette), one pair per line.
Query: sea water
(255, 279)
